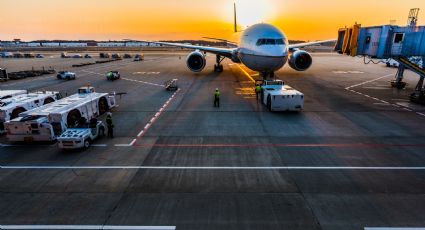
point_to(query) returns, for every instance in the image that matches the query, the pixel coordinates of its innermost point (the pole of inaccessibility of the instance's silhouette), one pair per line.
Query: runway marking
(143, 82)
(272, 145)
(88, 227)
(347, 72)
(362, 83)
(247, 74)
(153, 119)
(318, 168)
(349, 88)
(122, 145)
(391, 228)
(147, 73)
(99, 145)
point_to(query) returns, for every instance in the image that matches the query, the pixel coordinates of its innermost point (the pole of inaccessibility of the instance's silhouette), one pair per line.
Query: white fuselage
(263, 48)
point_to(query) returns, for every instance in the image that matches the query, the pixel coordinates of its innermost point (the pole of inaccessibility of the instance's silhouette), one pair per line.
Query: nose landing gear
(218, 67)
(267, 75)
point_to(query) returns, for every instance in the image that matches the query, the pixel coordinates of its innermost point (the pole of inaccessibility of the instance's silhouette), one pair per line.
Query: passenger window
(398, 38)
(260, 42)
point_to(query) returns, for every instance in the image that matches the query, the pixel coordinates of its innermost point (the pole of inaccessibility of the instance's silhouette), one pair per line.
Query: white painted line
(88, 227)
(140, 133)
(395, 228)
(421, 114)
(99, 145)
(395, 168)
(153, 119)
(132, 142)
(407, 109)
(362, 83)
(122, 145)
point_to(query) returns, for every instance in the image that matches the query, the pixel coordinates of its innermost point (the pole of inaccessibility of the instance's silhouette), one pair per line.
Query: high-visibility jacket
(217, 94)
(257, 89)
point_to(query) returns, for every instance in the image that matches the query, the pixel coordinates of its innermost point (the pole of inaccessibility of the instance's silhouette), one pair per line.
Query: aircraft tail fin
(235, 23)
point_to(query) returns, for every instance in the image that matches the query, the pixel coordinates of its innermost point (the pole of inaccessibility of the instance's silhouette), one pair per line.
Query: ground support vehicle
(82, 135)
(60, 115)
(279, 97)
(10, 108)
(113, 75)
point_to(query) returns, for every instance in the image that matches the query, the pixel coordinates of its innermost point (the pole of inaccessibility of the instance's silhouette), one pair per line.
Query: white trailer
(10, 108)
(279, 97)
(10, 93)
(48, 122)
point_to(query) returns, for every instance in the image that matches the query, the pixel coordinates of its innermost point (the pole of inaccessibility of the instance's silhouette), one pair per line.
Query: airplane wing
(225, 52)
(300, 45)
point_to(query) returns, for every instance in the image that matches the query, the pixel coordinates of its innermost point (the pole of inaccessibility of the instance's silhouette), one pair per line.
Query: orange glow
(190, 19)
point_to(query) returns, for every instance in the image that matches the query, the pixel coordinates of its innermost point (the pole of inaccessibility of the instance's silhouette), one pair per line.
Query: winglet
(235, 24)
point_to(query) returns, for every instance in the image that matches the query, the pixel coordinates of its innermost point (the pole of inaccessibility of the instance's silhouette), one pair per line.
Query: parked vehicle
(127, 56)
(29, 55)
(87, 56)
(82, 135)
(39, 56)
(113, 75)
(66, 75)
(104, 55)
(6, 55)
(77, 56)
(11, 107)
(116, 56)
(3, 75)
(139, 57)
(48, 122)
(64, 55)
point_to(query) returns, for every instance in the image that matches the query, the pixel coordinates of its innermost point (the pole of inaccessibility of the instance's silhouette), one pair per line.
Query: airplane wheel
(220, 68)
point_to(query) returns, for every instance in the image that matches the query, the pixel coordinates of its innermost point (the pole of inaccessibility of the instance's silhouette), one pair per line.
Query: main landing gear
(218, 67)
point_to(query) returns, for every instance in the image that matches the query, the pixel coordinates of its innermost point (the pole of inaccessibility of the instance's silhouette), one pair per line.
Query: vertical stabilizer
(235, 23)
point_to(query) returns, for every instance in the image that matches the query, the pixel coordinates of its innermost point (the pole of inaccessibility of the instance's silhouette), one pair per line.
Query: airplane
(262, 47)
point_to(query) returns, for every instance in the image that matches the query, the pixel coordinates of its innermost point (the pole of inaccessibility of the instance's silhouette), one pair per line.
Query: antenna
(235, 23)
(413, 17)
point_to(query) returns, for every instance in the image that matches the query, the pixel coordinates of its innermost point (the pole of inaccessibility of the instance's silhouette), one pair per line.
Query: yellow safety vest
(257, 89)
(217, 94)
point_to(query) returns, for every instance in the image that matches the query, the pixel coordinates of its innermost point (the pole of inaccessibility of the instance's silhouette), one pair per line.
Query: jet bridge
(403, 44)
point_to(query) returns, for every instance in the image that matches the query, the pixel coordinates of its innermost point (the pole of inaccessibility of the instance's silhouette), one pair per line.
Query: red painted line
(152, 120)
(279, 145)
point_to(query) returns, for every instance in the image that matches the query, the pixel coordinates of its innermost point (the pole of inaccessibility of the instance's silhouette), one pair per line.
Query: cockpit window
(269, 41)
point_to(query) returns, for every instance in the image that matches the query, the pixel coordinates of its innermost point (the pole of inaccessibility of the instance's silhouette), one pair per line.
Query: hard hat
(109, 114)
(216, 89)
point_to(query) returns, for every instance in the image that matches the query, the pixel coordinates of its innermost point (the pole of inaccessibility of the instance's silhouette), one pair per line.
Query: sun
(250, 12)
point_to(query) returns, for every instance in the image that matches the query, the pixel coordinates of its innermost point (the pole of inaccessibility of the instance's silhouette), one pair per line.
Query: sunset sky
(191, 19)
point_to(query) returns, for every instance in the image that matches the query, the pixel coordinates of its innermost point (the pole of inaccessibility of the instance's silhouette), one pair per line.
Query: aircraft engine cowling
(196, 61)
(300, 60)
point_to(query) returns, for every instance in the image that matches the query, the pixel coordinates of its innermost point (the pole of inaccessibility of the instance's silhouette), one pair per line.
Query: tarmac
(353, 158)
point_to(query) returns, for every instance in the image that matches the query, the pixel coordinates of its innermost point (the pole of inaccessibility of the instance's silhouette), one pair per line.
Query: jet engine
(300, 60)
(196, 61)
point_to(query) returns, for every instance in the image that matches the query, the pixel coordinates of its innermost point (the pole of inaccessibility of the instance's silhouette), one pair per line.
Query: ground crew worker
(257, 90)
(217, 98)
(110, 125)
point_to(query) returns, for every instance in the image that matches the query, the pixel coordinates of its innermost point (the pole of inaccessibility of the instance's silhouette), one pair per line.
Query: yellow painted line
(249, 76)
